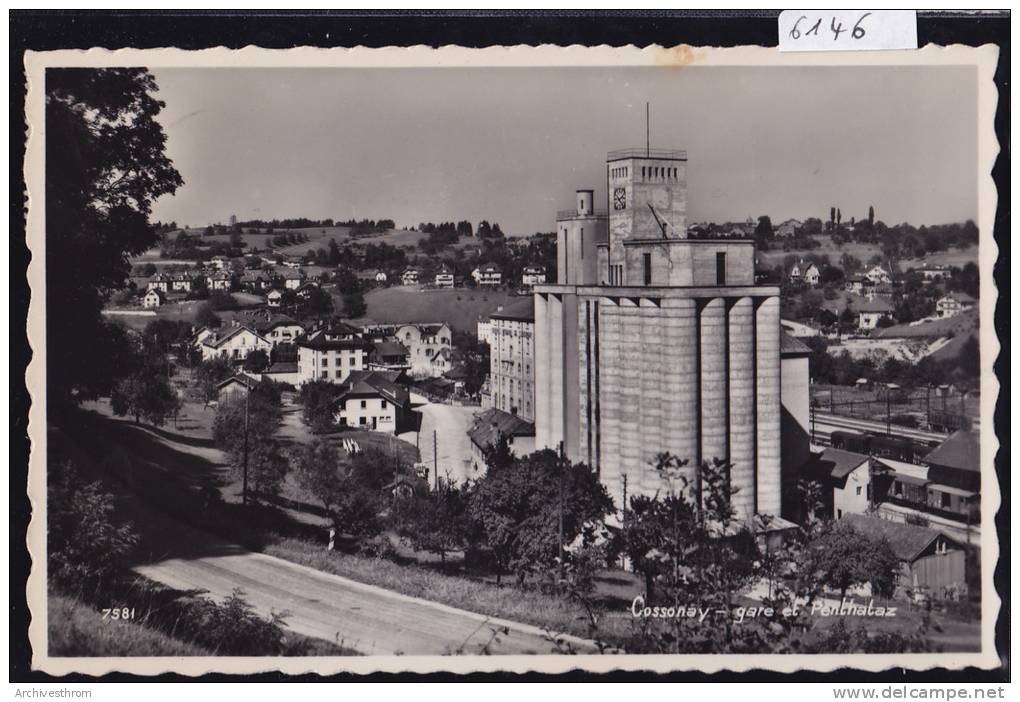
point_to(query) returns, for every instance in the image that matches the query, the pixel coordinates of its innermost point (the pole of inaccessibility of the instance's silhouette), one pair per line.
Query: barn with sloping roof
(931, 562)
(492, 424)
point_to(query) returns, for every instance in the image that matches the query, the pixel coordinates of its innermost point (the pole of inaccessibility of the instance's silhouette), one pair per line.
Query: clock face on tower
(619, 199)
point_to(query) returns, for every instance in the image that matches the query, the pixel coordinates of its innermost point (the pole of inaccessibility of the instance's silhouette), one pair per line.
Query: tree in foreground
(85, 543)
(263, 416)
(435, 520)
(692, 549)
(267, 466)
(106, 164)
(209, 374)
(352, 503)
(517, 507)
(316, 400)
(145, 394)
(845, 558)
(245, 427)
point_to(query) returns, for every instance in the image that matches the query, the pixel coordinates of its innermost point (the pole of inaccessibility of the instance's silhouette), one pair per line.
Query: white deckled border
(983, 59)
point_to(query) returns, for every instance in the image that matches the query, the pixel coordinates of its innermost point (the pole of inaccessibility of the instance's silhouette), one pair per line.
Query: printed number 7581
(119, 613)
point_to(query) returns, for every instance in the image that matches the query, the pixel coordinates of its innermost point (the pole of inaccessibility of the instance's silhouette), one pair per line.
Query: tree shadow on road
(171, 496)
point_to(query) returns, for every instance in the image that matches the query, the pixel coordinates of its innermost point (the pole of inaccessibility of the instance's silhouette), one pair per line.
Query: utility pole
(435, 457)
(561, 467)
(927, 404)
(244, 474)
(888, 411)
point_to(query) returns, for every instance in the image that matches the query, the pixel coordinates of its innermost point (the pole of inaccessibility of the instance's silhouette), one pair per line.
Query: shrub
(316, 399)
(85, 544)
(232, 628)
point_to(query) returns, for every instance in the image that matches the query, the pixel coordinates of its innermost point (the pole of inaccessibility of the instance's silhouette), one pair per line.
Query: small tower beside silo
(578, 234)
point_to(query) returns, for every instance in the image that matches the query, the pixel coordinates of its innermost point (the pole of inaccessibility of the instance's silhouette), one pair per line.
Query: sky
(512, 145)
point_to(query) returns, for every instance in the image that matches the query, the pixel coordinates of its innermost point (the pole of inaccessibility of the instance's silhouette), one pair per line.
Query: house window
(946, 501)
(839, 514)
(364, 404)
(382, 404)
(648, 268)
(858, 489)
(720, 268)
(339, 373)
(325, 374)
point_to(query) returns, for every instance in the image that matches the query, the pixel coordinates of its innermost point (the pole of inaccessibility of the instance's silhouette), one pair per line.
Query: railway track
(822, 426)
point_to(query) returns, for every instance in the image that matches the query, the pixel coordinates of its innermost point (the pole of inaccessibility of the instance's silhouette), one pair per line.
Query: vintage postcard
(513, 359)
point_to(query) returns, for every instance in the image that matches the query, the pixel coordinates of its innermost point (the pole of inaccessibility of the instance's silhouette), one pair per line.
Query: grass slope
(557, 615)
(959, 325)
(76, 629)
(460, 308)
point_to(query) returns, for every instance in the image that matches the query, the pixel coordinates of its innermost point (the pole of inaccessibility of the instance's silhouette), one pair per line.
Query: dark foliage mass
(349, 489)
(86, 544)
(105, 166)
(517, 506)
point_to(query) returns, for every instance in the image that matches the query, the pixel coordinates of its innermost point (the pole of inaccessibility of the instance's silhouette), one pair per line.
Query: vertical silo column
(652, 400)
(585, 406)
(769, 406)
(555, 385)
(714, 381)
(571, 376)
(541, 371)
(631, 365)
(742, 407)
(680, 379)
(610, 365)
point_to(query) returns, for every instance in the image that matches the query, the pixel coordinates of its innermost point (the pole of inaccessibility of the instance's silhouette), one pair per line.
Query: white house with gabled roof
(233, 343)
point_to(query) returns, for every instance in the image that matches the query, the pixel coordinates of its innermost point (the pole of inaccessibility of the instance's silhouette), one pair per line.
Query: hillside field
(774, 257)
(953, 257)
(185, 312)
(460, 307)
(318, 237)
(959, 325)
(863, 252)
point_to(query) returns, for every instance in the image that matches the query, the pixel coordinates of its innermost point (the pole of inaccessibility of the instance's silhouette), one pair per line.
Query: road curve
(365, 618)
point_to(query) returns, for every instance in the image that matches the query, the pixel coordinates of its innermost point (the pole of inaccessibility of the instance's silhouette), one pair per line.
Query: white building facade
(423, 342)
(512, 360)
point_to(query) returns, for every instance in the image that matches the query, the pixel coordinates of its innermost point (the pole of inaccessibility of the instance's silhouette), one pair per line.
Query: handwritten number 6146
(835, 27)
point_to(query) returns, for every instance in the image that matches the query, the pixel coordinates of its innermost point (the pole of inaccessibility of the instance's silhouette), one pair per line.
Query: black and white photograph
(544, 359)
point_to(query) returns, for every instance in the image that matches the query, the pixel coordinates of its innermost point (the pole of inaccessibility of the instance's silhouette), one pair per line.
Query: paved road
(357, 616)
(450, 422)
